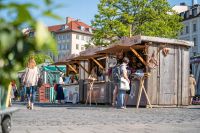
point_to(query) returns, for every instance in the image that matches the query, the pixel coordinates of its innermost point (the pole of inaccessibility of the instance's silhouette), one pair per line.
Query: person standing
(60, 93)
(116, 76)
(125, 81)
(192, 84)
(15, 91)
(30, 81)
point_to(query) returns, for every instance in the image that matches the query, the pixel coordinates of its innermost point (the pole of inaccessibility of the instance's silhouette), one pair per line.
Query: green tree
(118, 18)
(39, 58)
(14, 45)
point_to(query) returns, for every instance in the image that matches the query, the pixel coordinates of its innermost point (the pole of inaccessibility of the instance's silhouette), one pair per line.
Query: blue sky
(78, 9)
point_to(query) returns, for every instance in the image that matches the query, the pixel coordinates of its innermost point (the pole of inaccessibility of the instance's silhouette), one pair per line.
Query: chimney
(194, 2)
(69, 19)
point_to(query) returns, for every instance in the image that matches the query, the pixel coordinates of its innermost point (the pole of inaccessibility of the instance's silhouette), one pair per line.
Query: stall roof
(139, 39)
(135, 42)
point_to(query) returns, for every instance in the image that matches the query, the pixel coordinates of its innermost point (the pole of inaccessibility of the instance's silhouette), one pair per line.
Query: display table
(71, 93)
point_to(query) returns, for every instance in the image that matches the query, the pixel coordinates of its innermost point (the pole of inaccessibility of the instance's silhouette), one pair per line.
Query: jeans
(31, 93)
(121, 98)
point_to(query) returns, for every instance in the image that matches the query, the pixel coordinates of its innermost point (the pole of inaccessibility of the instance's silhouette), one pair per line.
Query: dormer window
(187, 14)
(194, 12)
(82, 28)
(63, 27)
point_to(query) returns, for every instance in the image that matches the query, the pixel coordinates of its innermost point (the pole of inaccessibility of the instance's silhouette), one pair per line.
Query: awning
(54, 68)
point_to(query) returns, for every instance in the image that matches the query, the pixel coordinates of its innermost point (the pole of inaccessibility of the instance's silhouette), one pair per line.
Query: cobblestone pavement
(47, 118)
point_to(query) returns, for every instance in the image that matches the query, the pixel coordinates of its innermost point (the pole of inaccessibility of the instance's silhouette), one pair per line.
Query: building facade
(71, 38)
(191, 29)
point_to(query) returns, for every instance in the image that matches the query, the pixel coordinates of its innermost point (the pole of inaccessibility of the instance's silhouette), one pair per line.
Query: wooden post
(97, 63)
(136, 53)
(141, 87)
(83, 68)
(139, 94)
(72, 68)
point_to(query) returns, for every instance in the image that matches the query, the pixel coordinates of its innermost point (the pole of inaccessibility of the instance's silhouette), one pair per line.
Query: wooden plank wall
(168, 83)
(179, 76)
(153, 80)
(185, 75)
(167, 77)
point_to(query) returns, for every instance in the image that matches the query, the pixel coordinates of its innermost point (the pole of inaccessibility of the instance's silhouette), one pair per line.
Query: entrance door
(167, 77)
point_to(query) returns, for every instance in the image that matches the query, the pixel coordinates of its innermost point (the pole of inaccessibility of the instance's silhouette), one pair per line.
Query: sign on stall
(71, 93)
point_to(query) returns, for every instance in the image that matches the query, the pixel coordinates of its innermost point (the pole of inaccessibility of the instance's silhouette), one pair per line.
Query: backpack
(116, 73)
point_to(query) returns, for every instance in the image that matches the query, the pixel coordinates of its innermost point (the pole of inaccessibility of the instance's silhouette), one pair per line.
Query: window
(68, 36)
(82, 37)
(82, 28)
(82, 47)
(65, 46)
(77, 46)
(68, 46)
(77, 36)
(195, 41)
(194, 27)
(60, 46)
(59, 37)
(194, 11)
(187, 14)
(187, 29)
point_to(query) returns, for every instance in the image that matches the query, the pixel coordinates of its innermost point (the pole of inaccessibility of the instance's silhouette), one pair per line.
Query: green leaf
(51, 15)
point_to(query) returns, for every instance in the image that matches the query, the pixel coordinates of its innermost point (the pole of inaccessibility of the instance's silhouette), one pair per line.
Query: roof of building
(193, 12)
(75, 25)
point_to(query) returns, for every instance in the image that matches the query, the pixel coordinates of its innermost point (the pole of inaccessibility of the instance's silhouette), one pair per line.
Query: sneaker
(122, 107)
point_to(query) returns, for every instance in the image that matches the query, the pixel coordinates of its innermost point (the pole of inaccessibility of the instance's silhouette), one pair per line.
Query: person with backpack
(116, 76)
(124, 84)
(116, 81)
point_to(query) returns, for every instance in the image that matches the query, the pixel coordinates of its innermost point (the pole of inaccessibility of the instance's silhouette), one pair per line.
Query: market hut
(165, 64)
(96, 66)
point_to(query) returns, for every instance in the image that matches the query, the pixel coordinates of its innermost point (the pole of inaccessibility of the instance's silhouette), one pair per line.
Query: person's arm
(25, 75)
(125, 75)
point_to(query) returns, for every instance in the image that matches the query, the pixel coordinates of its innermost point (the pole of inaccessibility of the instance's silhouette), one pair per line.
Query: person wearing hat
(192, 84)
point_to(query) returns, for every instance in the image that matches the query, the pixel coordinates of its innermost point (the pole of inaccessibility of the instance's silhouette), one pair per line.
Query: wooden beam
(83, 68)
(97, 63)
(72, 68)
(136, 53)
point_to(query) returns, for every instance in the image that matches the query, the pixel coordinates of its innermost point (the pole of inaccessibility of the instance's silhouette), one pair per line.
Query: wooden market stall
(96, 66)
(164, 66)
(71, 85)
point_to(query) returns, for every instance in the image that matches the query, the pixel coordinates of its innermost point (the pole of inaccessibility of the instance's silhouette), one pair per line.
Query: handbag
(124, 84)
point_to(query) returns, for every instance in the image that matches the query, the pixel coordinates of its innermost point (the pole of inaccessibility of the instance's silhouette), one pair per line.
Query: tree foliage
(118, 18)
(14, 45)
(39, 58)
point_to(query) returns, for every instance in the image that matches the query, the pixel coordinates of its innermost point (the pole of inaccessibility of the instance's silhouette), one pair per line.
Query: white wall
(179, 8)
(191, 35)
